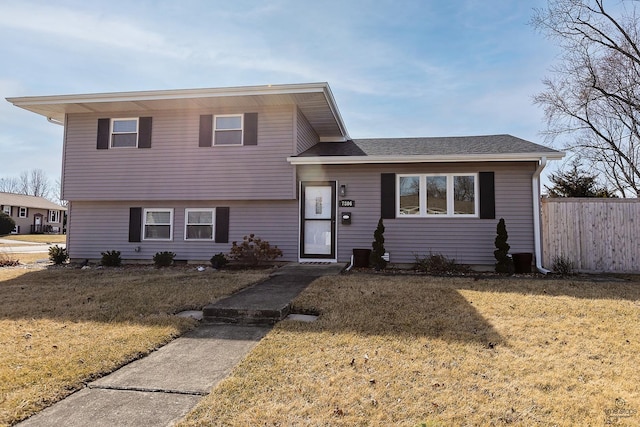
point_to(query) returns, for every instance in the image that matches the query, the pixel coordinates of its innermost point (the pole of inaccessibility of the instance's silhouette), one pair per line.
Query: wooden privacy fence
(597, 235)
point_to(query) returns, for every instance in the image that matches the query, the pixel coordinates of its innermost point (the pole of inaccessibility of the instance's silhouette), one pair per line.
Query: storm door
(318, 220)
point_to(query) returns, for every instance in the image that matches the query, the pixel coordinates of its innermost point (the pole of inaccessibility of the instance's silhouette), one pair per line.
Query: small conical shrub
(504, 263)
(378, 247)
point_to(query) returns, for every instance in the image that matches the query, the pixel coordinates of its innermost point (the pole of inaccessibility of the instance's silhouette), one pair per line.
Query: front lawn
(415, 351)
(62, 327)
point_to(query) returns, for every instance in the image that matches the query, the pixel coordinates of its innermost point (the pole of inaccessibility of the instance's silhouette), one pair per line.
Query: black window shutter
(487, 195)
(251, 129)
(388, 195)
(144, 132)
(206, 131)
(103, 134)
(27, 212)
(222, 225)
(135, 224)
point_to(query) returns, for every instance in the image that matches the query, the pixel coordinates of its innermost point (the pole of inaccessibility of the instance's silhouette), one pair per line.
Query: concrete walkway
(160, 389)
(16, 246)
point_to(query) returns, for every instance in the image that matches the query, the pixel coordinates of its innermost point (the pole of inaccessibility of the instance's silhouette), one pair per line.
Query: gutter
(54, 121)
(537, 237)
(355, 160)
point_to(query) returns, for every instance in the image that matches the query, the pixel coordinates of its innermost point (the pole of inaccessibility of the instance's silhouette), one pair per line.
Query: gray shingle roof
(436, 146)
(12, 199)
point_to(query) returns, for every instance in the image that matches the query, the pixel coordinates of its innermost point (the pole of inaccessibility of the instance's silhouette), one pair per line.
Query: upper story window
(6, 209)
(199, 224)
(54, 216)
(23, 212)
(227, 130)
(124, 133)
(427, 195)
(158, 224)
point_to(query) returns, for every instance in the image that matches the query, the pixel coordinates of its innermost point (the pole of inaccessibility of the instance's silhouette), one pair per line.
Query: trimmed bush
(253, 251)
(111, 259)
(219, 260)
(58, 255)
(378, 247)
(7, 224)
(164, 259)
(504, 262)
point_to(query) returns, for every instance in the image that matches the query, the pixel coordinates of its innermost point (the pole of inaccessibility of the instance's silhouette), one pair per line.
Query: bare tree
(594, 94)
(40, 186)
(33, 182)
(9, 185)
(57, 193)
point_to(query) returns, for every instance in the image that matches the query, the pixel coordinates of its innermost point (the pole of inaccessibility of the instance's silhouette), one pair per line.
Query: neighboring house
(33, 214)
(191, 171)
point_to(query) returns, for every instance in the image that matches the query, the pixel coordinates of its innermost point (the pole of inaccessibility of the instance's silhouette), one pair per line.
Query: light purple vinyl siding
(467, 240)
(306, 136)
(175, 167)
(95, 227)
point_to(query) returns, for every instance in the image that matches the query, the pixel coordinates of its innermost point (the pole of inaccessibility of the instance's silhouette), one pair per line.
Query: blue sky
(396, 68)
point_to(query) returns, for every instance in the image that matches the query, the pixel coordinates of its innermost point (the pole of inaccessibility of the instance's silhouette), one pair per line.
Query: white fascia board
(351, 160)
(170, 94)
(336, 113)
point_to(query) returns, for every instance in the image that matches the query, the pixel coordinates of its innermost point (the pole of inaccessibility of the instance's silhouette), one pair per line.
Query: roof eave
(38, 104)
(159, 95)
(351, 160)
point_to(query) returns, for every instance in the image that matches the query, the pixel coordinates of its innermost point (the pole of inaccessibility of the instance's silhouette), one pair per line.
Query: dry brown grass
(24, 258)
(37, 238)
(61, 327)
(441, 351)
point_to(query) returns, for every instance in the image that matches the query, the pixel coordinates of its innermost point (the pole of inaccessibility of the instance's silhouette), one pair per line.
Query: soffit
(314, 100)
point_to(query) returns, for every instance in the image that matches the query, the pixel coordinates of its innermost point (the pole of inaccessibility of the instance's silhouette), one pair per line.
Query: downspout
(350, 266)
(54, 121)
(537, 237)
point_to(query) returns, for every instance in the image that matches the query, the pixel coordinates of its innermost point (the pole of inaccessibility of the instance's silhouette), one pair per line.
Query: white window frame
(22, 212)
(213, 223)
(241, 129)
(112, 133)
(450, 195)
(6, 209)
(144, 223)
(54, 216)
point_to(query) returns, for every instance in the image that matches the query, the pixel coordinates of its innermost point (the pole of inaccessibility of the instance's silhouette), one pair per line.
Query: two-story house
(190, 171)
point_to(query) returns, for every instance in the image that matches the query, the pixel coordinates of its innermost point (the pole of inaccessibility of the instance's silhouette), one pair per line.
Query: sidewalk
(160, 389)
(16, 246)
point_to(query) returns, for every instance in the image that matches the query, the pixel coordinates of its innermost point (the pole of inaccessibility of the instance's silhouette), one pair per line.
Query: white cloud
(81, 27)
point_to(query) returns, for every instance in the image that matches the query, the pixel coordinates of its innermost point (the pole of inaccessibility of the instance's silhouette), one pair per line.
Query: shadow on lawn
(142, 297)
(399, 310)
(417, 306)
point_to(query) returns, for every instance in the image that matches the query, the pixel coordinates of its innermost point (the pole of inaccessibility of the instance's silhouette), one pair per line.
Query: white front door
(318, 220)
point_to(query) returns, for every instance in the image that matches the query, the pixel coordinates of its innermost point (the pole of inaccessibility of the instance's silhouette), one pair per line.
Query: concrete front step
(267, 302)
(213, 314)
